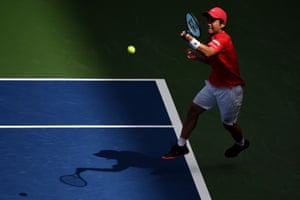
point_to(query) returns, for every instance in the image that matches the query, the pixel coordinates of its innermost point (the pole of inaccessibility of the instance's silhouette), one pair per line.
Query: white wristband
(194, 43)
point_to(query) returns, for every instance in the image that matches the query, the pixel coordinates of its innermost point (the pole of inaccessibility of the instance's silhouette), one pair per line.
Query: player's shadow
(125, 160)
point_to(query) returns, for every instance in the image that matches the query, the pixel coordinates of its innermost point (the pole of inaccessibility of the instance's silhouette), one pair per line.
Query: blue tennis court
(107, 136)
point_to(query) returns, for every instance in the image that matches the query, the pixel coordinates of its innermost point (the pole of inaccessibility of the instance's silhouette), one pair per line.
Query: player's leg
(229, 102)
(236, 131)
(240, 142)
(188, 126)
(203, 101)
(190, 121)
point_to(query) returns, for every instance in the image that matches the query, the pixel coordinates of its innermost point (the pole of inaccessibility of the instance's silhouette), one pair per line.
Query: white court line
(190, 158)
(171, 109)
(83, 126)
(71, 79)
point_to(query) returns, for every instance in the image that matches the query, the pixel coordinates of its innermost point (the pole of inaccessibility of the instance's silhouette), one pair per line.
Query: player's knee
(228, 126)
(194, 111)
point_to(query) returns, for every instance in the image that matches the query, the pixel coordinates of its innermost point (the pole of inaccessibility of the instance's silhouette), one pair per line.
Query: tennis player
(224, 87)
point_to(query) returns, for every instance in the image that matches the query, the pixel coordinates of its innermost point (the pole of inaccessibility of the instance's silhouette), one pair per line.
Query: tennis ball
(131, 49)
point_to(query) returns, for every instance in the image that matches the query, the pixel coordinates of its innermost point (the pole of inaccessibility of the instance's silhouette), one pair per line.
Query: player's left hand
(190, 54)
(186, 35)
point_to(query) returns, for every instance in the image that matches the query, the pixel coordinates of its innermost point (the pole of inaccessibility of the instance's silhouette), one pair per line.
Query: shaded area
(82, 103)
(111, 26)
(128, 165)
(125, 160)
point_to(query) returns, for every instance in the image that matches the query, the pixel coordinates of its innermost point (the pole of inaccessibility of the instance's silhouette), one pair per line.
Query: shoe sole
(172, 157)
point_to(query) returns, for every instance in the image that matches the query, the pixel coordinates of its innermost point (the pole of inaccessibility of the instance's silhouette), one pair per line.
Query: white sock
(241, 143)
(181, 141)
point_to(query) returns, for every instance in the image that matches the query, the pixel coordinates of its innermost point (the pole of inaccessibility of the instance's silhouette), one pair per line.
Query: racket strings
(192, 25)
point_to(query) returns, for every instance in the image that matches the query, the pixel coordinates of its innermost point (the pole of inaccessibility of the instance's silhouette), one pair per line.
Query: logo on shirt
(216, 43)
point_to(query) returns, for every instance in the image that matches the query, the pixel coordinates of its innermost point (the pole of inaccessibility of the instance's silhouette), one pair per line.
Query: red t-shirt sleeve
(217, 44)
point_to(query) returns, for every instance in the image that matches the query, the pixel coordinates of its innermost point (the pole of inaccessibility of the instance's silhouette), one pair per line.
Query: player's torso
(224, 64)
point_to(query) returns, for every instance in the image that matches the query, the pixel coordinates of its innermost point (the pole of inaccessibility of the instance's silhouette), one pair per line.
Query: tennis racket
(73, 180)
(192, 25)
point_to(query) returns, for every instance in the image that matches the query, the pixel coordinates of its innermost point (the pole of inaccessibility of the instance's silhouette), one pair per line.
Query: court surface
(111, 132)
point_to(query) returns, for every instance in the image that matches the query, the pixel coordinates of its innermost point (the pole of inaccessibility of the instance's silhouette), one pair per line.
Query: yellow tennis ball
(131, 49)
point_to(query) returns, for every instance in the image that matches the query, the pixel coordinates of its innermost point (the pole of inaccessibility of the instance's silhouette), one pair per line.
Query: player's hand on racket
(191, 54)
(193, 42)
(186, 35)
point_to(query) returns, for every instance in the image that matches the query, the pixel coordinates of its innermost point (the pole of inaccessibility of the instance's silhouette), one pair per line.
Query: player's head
(217, 13)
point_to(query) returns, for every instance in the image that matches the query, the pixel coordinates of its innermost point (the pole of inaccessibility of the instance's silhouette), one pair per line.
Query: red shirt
(224, 64)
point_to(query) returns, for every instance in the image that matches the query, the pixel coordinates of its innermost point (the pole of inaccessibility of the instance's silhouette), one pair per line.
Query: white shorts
(229, 101)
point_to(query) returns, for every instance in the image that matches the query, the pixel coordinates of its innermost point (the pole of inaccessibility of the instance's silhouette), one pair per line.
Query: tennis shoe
(235, 149)
(175, 152)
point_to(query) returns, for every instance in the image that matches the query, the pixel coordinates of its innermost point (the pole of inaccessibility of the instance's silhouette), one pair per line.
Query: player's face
(214, 26)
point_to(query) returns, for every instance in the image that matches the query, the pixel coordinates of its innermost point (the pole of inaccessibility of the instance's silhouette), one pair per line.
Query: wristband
(195, 43)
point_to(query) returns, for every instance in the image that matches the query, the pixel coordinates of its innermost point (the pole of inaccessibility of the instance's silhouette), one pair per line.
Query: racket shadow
(125, 160)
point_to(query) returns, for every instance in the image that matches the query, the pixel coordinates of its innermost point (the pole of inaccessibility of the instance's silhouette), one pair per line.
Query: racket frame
(192, 25)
